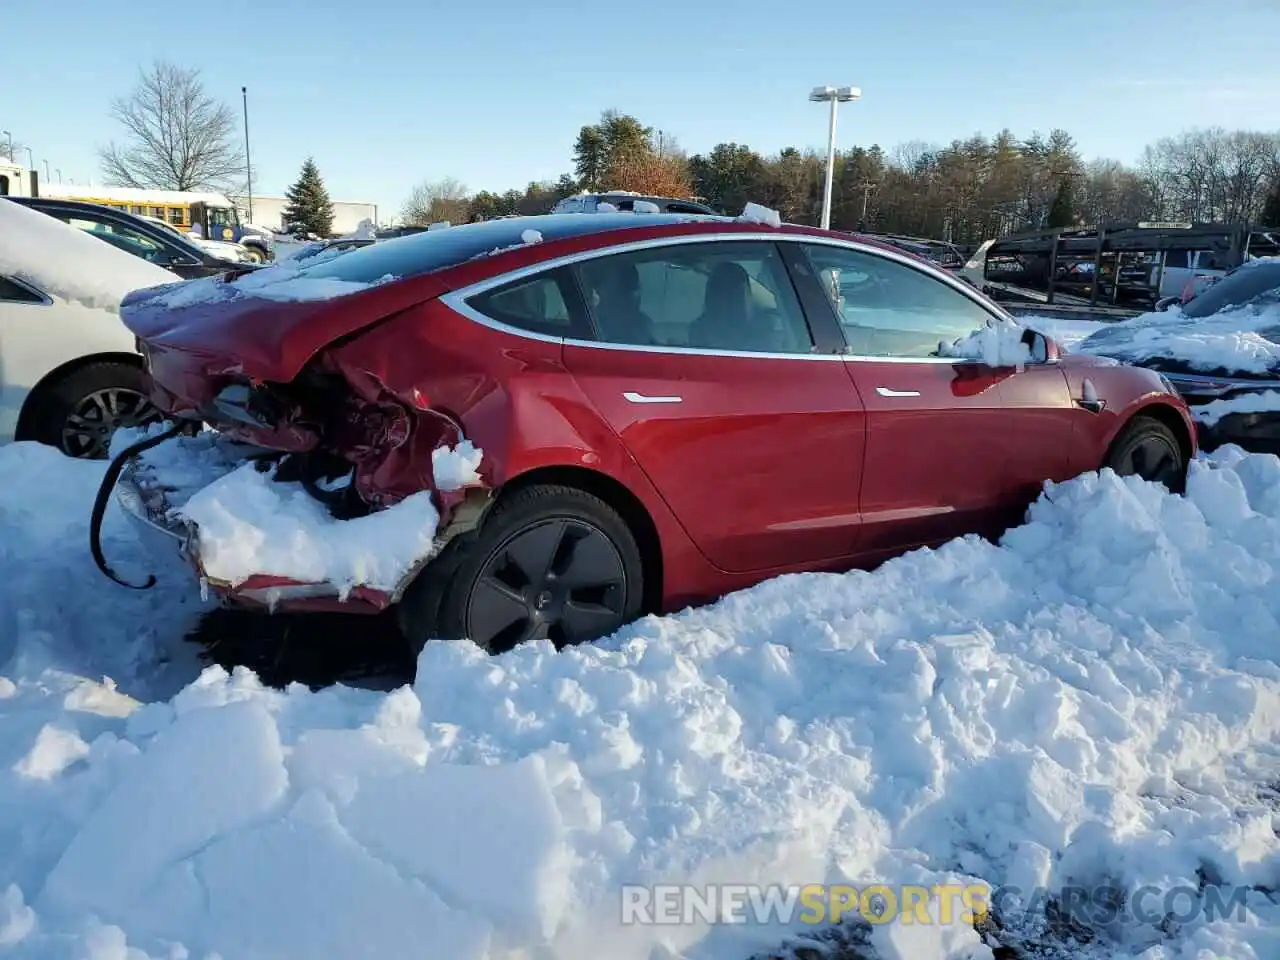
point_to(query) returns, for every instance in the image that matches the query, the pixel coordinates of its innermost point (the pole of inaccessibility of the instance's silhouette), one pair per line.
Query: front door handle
(886, 392)
(643, 398)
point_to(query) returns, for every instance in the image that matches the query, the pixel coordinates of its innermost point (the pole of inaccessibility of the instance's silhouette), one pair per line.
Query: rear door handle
(886, 392)
(644, 398)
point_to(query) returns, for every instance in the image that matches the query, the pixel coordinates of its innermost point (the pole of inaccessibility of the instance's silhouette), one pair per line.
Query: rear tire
(1148, 449)
(548, 562)
(254, 255)
(79, 412)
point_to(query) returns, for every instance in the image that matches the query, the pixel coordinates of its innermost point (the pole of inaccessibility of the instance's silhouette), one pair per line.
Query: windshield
(1254, 282)
(223, 217)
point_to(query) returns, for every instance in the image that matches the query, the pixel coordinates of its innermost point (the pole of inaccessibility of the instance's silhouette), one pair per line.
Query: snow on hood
(68, 263)
(1092, 702)
(1244, 340)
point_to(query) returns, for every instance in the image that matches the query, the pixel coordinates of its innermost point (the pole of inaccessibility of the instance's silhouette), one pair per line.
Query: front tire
(549, 562)
(254, 255)
(1148, 449)
(79, 412)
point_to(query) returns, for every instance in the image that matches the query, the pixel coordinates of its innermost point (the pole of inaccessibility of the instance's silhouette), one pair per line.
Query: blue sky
(387, 93)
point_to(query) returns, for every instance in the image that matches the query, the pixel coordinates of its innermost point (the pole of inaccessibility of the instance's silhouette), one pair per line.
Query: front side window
(119, 236)
(720, 296)
(890, 309)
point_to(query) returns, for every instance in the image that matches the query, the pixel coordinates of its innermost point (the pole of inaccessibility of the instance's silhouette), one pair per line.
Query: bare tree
(10, 149)
(432, 202)
(177, 137)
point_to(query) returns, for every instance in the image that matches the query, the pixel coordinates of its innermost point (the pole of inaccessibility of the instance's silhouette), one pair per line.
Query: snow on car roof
(68, 263)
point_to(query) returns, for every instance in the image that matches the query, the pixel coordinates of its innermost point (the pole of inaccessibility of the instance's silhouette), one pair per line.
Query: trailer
(1120, 267)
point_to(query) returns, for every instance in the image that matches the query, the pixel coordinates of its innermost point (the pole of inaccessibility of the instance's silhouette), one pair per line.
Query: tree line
(967, 191)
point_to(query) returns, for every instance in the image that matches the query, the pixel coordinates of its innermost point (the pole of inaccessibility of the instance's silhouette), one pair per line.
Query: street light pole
(248, 167)
(836, 96)
(10, 154)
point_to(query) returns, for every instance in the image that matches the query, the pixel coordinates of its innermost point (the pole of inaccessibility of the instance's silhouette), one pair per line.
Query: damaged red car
(663, 408)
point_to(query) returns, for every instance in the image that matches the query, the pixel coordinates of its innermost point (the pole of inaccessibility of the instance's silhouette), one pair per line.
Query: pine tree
(1271, 209)
(1061, 214)
(309, 208)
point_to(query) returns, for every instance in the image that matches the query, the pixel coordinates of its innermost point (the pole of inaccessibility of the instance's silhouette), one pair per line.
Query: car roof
(472, 252)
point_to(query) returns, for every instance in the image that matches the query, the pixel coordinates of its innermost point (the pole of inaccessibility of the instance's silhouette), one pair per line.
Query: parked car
(624, 201)
(228, 250)
(1221, 344)
(70, 373)
(155, 244)
(668, 410)
(315, 248)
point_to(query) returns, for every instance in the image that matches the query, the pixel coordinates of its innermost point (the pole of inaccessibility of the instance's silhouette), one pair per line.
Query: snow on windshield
(1087, 705)
(1240, 340)
(69, 263)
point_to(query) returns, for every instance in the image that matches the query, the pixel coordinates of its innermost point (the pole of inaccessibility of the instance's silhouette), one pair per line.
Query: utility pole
(248, 167)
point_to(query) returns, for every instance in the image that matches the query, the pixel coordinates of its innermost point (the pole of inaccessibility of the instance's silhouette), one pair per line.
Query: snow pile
(69, 263)
(644, 206)
(365, 230)
(755, 213)
(998, 344)
(1095, 702)
(1267, 401)
(1066, 333)
(283, 281)
(1244, 340)
(605, 207)
(530, 236)
(247, 522)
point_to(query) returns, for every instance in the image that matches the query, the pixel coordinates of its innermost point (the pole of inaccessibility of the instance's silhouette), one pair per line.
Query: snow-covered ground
(1066, 332)
(1093, 703)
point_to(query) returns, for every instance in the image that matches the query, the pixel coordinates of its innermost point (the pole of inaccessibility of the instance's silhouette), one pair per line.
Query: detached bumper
(164, 535)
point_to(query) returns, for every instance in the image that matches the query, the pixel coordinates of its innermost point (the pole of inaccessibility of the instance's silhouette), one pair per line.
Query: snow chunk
(54, 751)
(998, 344)
(1266, 401)
(530, 236)
(70, 263)
(756, 213)
(456, 467)
(605, 207)
(644, 206)
(249, 523)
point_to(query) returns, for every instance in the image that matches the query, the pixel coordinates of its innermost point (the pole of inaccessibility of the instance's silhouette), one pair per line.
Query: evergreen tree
(1061, 213)
(309, 208)
(1271, 209)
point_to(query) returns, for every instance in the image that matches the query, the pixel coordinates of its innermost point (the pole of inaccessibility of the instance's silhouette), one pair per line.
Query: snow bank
(69, 263)
(1094, 701)
(1237, 340)
(755, 213)
(998, 344)
(1267, 401)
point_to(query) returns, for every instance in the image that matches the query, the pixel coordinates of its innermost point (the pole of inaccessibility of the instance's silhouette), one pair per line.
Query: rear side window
(539, 304)
(11, 292)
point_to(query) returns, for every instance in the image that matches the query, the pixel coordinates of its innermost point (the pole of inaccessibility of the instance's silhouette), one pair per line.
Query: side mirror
(1043, 349)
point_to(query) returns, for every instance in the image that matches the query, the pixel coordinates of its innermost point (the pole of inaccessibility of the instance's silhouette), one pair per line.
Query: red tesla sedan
(669, 408)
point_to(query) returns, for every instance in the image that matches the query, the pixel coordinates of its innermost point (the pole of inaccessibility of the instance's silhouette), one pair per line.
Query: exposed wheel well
(1162, 413)
(617, 496)
(32, 403)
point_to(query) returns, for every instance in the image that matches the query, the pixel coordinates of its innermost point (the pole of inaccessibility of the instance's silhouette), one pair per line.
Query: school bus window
(158, 212)
(175, 215)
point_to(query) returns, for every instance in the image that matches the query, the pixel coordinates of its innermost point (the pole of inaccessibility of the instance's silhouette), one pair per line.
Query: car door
(705, 366)
(951, 442)
(24, 341)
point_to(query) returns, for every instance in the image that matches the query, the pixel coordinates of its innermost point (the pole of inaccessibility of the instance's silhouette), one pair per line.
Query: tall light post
(31, 161)
(10, 155)
(248, 167)
(836, 96)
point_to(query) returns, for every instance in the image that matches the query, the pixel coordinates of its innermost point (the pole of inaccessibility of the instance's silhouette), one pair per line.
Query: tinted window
(539, 304)
(888, 309)
(437, 249)
(123, 237)
(709, 296)
(1177, 259)
(16, 293)
(1252, 283)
